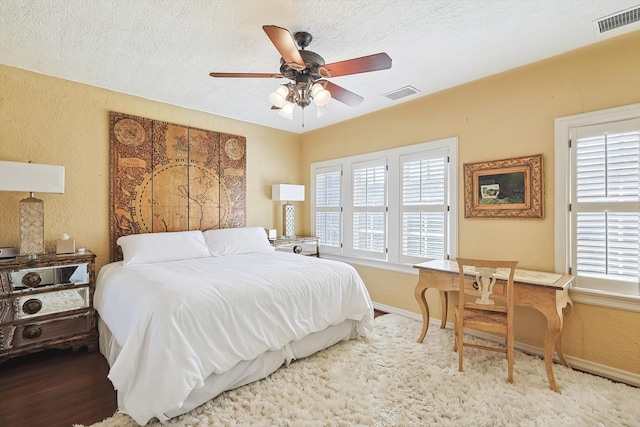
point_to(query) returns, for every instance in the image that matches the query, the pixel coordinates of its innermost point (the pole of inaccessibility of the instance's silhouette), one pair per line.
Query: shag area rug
(387, 379)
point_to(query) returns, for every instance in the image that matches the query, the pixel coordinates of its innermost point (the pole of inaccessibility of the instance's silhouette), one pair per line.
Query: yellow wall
(53, 121)
(48, 120)
(507, 115)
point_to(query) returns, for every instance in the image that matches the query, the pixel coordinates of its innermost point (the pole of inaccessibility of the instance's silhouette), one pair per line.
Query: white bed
(178, 332)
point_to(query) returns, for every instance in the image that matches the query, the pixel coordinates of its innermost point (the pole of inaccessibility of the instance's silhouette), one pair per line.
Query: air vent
(401, 93)
(617, 20)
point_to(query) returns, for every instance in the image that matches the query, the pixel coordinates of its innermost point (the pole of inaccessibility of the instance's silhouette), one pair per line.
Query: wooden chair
(484, 313)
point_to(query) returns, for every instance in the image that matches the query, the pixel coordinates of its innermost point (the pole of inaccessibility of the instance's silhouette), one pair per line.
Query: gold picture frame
(508, 188)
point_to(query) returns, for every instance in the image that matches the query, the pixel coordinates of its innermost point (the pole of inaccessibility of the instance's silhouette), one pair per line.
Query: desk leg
(551, 335)
(564, 307)
(555, 320)
(444, 308)
(424, 307)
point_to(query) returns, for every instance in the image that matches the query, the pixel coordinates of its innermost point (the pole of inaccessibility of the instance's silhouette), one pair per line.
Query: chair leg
(455, 334)
(460, 345)
(510, 355)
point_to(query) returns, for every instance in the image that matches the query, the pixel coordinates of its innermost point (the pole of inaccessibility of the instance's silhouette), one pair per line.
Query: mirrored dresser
(47, 302)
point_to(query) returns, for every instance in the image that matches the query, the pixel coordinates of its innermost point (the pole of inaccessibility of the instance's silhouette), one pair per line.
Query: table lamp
(31, 178)
(288, 193)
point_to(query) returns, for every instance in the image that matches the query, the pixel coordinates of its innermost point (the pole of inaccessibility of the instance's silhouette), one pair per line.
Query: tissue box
(67, 246)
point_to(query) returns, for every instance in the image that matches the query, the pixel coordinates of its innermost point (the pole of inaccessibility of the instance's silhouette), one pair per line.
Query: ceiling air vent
(401, 93)
(618, 19)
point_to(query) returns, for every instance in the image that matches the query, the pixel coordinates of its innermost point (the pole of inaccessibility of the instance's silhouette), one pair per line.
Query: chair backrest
(486, 279)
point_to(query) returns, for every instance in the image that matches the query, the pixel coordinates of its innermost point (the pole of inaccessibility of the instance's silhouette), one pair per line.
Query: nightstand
(47, 302)
(303, 245)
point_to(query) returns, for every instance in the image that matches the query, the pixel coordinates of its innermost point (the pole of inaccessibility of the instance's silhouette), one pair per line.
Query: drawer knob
(31, 279)
(31, 332)
(297, 249)
(32, 306)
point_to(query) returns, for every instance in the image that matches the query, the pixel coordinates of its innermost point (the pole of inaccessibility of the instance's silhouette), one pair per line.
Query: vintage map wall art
(508, 188)
(168, 177)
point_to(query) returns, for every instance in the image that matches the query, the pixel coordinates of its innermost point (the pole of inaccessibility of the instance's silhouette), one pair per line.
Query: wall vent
(618, 19)
(394, 95)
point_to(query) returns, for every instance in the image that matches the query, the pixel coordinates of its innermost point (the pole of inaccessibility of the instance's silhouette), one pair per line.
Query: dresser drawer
(59, 301)
(33, 278)
(302, 248)
(30, 333)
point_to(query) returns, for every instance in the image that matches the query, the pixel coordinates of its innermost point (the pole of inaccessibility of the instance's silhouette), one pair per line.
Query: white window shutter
(606, 215)
(423, 206)
(328, 182)
(369, 189)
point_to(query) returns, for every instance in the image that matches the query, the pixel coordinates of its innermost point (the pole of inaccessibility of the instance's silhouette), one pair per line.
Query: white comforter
(179, 322)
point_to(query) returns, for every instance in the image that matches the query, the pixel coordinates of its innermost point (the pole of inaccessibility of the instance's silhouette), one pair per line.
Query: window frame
(393, 259)
(562, 199)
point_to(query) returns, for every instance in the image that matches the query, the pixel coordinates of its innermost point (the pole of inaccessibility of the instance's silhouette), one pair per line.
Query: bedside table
(303, 245)
(47, 302)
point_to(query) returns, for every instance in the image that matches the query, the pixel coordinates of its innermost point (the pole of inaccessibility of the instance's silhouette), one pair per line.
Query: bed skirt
(246, 371)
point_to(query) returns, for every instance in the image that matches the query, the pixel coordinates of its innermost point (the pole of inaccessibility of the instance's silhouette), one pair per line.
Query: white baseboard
(401, 312)
(576, 363)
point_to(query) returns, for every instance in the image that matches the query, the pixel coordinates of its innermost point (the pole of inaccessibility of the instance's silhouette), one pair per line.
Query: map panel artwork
(168, 177)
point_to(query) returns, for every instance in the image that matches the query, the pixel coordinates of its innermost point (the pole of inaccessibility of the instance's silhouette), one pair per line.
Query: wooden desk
(546, 292)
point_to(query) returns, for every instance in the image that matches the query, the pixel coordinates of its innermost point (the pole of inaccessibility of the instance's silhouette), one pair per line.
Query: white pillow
(158, 247)
(229, 241)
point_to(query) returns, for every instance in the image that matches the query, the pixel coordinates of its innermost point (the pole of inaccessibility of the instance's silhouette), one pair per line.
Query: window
(391, 206)
(369, 206)
(598, 180)
(424, 206)
(327, 206)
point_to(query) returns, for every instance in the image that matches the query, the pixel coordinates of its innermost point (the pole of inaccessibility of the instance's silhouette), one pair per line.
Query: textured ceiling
(164, 49)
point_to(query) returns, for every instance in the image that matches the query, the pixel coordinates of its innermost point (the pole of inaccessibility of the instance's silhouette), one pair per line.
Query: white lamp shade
(287, 110)
(287, 192)
(317, 87)
(279, 96)
(321, 96)
(31, 177)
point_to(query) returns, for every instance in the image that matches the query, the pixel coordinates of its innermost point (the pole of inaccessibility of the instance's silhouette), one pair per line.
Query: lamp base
(31, 226)
(288, 220)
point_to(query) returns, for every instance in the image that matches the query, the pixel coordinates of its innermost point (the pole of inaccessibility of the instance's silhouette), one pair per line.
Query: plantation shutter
(328, 208)
(423, 206)
(370, 208)
(606, 206)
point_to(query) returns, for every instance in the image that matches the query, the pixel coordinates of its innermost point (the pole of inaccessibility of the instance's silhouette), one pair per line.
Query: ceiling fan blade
(282, 40)
(249, 75)
(341, 94)
(364, 64)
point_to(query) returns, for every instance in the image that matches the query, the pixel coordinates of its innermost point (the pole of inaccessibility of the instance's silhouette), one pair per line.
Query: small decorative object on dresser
(47, 303)
(303, 245)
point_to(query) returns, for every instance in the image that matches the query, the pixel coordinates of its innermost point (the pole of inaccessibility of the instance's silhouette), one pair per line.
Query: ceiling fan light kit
(307, 71)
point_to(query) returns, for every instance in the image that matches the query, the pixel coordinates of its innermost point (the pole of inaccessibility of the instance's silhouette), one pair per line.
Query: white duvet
(179, 322)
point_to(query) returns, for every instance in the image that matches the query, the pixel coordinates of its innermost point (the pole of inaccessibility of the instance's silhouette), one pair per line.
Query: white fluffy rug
(390, 380)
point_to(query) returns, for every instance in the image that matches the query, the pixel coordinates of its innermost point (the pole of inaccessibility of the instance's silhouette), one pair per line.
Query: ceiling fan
(308, 71)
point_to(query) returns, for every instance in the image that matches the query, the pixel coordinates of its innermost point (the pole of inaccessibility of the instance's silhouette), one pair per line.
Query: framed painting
(508, 188)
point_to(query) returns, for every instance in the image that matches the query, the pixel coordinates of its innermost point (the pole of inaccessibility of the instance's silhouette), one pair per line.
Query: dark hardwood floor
(55, 388)
(58, 388)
